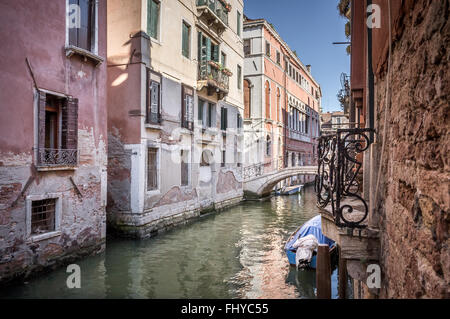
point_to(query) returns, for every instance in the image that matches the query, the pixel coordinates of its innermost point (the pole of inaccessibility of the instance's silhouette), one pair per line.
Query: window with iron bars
(43, 216)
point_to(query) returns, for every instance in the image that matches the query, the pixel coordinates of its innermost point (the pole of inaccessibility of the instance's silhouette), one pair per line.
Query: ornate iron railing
(338, 177)
(48, 157)
(217, 7)
(213, 75)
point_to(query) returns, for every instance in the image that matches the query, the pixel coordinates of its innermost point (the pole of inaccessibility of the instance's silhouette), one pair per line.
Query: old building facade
(53, 133)
(175, 71)
(393, 228)
(282, 102)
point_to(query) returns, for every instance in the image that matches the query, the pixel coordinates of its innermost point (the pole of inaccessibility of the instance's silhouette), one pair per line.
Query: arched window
(247, 99)
(268, 146)
(267, 89)
(293, 159)
(278, 105)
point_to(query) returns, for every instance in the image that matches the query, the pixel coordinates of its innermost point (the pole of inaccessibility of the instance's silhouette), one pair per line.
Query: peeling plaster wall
(82, 220)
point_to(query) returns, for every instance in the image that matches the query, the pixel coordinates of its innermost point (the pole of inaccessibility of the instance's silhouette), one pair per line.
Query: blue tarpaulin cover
(313, 227)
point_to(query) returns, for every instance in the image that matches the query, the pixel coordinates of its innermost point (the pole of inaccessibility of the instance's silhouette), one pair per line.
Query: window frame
(185, 92)
(58, 215)
(239, 77)
(157, 169)
(189, 28)
(93, 33)
(153, 77)
(157, 36)
(188, 170)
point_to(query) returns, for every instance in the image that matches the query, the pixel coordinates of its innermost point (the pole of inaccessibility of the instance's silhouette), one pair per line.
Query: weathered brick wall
(415, 188)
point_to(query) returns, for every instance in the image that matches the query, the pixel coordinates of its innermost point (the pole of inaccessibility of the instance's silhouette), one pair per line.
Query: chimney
(308, 66)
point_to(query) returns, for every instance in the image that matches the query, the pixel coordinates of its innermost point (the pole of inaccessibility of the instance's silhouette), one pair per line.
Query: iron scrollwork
(337, 180)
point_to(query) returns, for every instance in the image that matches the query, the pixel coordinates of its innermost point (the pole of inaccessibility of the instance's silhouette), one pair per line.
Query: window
(206, 114)
(267, 97)
(57, 130)
(153, 98)
(184, 167)
(223, 59)
(238, 26)
(223, 118)
(186, 39)
(224, 158)
(239, 77)
(187, 108)
(247, 99)
(278, 58)
(268, 146)
(84, 36)
(239, 120)
(267, 48)
(247, 47)
(43, 216)
(152, 169)
(153, 18)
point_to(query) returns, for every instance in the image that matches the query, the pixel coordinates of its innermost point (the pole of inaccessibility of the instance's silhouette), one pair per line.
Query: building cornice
(263, 22)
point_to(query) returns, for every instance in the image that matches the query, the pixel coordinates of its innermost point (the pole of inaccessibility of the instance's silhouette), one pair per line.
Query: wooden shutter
(152, 18)
(200, 111)
(208, 49)
(210, 114)
(247, 99)
(154, 103)
(69, 132)
(41, 119)
(183, 107)
(185, 40)
(215, 52)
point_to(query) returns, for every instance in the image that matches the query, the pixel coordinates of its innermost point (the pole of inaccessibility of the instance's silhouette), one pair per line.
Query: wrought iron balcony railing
(213, 76)
(216, 7)
(338, 180)
(48, 157)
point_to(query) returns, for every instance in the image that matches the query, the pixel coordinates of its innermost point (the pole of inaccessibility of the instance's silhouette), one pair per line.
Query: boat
(290, 190)
(311, 227)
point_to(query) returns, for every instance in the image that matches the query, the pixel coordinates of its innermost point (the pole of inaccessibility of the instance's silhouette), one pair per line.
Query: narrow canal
(237, 253)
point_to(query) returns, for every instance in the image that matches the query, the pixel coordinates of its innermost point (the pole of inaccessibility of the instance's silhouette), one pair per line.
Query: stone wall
(415, 182)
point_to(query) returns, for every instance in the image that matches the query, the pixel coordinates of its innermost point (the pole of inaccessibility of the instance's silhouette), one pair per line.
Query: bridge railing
(271, 166)
(338, 176)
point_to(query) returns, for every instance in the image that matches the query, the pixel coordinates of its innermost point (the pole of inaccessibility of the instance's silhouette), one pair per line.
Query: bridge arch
(261, 186)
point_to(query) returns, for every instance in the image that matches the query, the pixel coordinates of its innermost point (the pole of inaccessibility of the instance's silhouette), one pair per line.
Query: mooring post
(323, 272)
(342, 276)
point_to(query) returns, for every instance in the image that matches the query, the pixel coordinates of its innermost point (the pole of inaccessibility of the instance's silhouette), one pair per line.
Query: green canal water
(237, 253)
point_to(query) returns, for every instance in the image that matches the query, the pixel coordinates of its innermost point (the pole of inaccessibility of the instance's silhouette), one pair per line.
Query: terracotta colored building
(52, 133)
(282, 101)
(394, 215)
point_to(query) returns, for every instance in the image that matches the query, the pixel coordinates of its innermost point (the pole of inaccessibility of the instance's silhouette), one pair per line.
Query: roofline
(263, 22)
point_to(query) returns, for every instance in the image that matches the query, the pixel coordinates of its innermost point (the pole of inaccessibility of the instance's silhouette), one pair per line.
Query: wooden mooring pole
(323, 272)
(342, 276)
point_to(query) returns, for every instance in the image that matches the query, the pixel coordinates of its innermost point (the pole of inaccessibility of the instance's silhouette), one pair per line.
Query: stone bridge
(259, 184)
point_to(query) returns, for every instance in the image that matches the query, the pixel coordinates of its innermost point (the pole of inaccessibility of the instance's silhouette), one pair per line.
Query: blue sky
(310, 27)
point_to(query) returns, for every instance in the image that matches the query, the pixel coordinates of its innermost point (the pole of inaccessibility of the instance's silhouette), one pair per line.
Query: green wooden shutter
(215, 53)
(152, 18)
(185, 40)
(208, 49)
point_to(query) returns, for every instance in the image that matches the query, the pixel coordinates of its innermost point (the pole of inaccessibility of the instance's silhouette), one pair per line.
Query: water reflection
(234, 254)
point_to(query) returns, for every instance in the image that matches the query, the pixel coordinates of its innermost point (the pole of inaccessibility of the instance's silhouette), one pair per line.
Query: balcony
(338, 183)
(214, 13)
(56, 158)
(215, 79)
